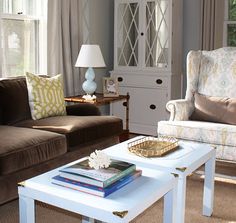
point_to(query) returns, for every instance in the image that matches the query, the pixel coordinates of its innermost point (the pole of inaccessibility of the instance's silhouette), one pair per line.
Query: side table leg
(181, 198)
(27, 210)
(208, 195)
(87, 220)
(127, 112)
(90, 220)
(169, 215)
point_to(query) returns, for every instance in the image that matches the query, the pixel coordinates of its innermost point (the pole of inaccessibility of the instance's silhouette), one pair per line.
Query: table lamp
(90, 56)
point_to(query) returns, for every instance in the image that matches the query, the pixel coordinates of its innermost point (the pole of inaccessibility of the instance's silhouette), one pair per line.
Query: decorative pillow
(46, 97)
(214, 109)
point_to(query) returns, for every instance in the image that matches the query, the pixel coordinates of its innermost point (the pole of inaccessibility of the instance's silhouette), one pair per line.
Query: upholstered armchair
(212, 76)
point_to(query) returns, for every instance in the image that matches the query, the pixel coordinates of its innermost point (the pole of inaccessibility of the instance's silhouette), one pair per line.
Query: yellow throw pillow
(46, 96)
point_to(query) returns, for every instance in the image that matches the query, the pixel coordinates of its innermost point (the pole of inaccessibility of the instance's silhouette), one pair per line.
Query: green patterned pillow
(46, 97)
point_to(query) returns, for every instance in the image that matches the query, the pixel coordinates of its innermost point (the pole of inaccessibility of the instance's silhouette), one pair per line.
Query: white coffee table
(181, 162)
(121, 206)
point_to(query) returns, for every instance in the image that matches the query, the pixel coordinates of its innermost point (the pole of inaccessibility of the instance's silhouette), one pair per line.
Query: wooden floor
(132, 135)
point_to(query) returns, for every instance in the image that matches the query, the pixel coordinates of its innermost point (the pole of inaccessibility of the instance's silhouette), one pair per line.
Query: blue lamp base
(89, 86)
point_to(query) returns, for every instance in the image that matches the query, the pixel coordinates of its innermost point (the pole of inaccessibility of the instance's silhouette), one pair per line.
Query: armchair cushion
(221, 135)
(207, 132)
(214, 109)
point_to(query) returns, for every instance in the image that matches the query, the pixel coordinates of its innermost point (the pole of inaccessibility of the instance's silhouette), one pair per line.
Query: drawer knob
(125, 104)
(120, 79)
(152, 106)
(159, 81)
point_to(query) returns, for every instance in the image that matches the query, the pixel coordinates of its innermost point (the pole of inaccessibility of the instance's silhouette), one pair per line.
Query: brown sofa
(30, 147)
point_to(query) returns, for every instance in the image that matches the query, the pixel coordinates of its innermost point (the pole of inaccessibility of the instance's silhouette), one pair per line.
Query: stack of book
(100, 182)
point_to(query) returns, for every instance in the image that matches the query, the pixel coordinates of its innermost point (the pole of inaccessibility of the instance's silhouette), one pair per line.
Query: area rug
(224, 206)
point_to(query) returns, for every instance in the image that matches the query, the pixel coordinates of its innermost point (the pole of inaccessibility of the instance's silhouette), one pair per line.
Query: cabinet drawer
(147, 106)
(133, 80)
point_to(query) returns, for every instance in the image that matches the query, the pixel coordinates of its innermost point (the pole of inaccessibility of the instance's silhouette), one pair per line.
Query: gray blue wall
(191, 31)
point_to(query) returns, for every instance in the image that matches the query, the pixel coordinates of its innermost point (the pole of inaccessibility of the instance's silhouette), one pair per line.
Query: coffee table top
(148, 188)
(181, 161)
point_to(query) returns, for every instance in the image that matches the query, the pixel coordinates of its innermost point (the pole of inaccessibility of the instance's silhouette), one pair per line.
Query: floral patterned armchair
(210, 73)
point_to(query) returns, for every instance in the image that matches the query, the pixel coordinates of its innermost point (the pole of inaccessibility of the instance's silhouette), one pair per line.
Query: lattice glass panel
(157, 33)
(128, 34)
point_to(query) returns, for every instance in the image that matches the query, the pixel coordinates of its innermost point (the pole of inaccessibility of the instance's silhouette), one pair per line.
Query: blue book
(94, 190)
(104, 177)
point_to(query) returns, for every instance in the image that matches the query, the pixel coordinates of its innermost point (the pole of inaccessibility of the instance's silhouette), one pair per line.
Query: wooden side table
(101, 100)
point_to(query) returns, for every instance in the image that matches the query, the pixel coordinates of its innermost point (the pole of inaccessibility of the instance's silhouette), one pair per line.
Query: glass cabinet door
(157, 33)
(142, 33)
(128, 34)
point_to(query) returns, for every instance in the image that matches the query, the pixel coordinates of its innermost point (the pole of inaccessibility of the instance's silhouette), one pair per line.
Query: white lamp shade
(90, 56)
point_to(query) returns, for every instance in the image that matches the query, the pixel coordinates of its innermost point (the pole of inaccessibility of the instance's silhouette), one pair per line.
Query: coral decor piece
(98, 160)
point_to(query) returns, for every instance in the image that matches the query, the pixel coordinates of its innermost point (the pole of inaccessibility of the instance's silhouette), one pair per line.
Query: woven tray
(153, 147)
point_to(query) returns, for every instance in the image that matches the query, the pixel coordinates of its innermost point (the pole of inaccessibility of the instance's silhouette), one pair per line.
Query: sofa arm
(82, 109)
(180, 110)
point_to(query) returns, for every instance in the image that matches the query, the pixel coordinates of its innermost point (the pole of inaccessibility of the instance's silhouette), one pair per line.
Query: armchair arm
(82, 109)
(180, 109)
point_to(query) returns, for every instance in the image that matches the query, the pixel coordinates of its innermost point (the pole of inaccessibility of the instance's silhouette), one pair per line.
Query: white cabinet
(147, 59)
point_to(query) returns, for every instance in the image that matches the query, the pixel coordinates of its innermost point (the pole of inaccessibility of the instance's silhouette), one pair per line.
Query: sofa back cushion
(1, 122)
(14, 105)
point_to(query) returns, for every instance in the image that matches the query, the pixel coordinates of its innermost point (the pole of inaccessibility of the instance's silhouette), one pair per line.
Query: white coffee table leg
(181, 197)
(170, 200)
(208, 196)
(27, 210)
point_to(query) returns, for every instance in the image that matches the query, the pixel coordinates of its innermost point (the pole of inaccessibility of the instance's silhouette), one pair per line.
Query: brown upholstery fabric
(82, 109)
(9, 182)
(78, 129)
(24, 147)
(0, 116)
(214, 109)
(14, 105)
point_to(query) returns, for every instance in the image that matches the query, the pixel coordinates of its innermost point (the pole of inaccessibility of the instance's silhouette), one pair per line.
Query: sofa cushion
(14, 104)
(78, 129)
(23, 147)
(214, 109)
(46, 96)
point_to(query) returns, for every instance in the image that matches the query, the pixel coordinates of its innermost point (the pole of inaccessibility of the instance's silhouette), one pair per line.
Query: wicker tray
(153, 147)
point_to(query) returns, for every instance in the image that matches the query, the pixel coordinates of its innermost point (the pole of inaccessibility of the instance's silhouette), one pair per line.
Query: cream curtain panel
(64, 42)
(212, 24)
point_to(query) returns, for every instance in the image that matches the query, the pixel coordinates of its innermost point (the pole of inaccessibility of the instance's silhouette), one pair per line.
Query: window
(230, 23)
(23, 37)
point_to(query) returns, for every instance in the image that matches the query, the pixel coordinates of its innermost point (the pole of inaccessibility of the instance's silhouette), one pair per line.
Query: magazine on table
(102, 177)
(94, 190)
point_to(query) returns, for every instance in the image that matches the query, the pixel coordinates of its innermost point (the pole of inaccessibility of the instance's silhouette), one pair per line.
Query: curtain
(212, 24)
(64, 43)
